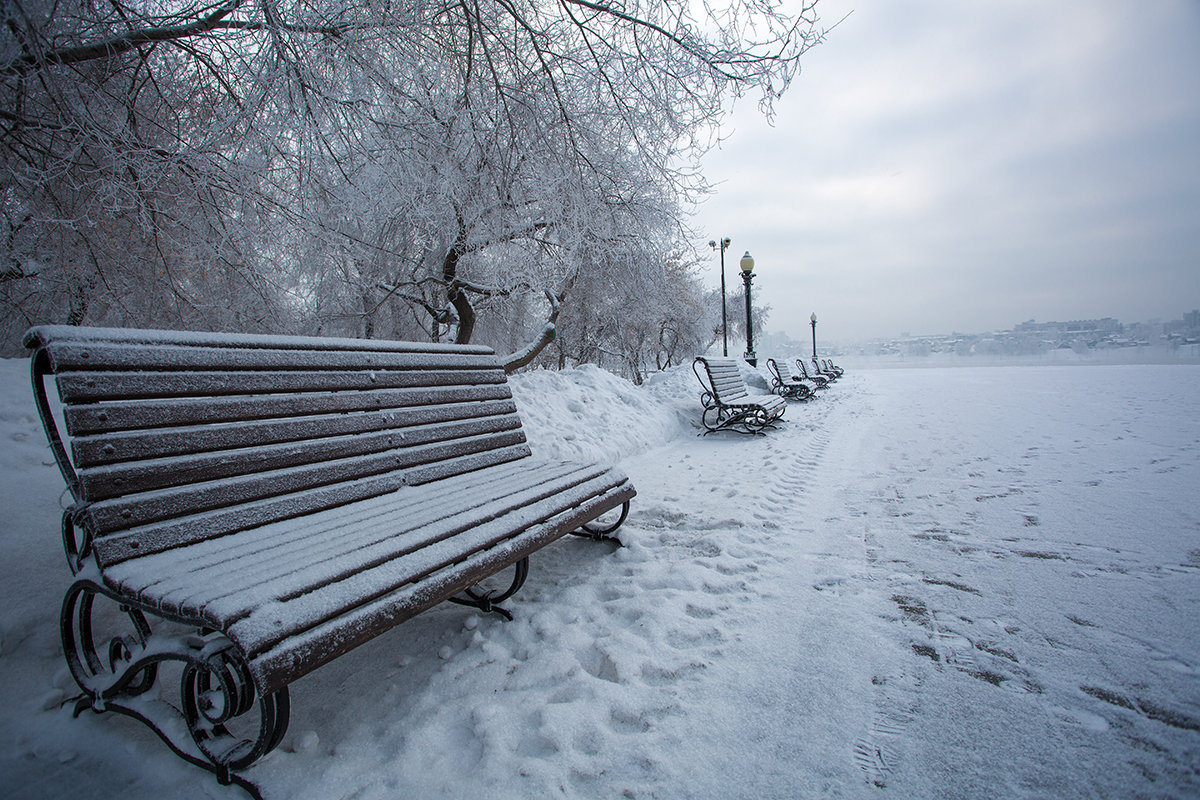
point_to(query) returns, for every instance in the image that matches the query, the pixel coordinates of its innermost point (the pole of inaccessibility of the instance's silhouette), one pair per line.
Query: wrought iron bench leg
(598, 530)
(726, 418)
(216, 687)
(486, 601)
(739, 420)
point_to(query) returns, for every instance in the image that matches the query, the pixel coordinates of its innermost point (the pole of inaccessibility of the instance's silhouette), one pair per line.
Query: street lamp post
(747, 264)
(813, 319)
(724, 320)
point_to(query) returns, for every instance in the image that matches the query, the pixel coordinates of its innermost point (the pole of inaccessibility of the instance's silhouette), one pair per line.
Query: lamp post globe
(747, 265)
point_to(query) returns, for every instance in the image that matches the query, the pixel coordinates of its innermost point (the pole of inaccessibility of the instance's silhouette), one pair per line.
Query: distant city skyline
(1192, 314)
(940, 165)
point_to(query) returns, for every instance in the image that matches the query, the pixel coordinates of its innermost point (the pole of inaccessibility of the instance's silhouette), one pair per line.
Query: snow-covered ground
(934, 583)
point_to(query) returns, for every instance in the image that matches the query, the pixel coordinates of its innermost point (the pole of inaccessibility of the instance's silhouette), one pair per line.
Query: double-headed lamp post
(747, 264)
(813, 320)
(724, 321)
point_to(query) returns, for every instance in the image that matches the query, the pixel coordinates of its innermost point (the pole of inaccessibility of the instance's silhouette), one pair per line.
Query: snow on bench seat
(264, 585)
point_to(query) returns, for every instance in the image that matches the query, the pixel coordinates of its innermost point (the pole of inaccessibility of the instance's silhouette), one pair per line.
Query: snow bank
(588, 414)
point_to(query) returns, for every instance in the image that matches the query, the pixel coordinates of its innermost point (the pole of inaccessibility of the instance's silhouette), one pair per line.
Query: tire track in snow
(772, 681)
(819, 490)
(894, 692)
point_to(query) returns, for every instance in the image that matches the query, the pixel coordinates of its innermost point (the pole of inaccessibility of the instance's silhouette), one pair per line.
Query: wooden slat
(278, 563)
(728, 394)
(171, 579)
(432, 549)
(725, 378)
(84, 387)
(112, 448)
(102, 483)
(271, 623)
(783, 371)
(75, 356)
(159, 413)
(185, 530)
(45, 334)
(303, 652)
(120, 513)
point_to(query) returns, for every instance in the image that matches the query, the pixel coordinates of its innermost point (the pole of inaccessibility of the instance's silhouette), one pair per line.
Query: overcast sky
(942, 166)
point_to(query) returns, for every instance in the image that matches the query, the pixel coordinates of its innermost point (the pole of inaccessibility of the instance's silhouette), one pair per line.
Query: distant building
(1100, 326)
(1031, 338)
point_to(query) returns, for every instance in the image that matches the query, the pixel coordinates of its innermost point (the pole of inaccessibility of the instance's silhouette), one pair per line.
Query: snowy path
(754, 509)
(928, 583)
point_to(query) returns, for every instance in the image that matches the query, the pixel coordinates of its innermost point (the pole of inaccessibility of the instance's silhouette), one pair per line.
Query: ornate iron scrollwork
(116, 666)
(122, 671)
(77, 542)
(217, 690)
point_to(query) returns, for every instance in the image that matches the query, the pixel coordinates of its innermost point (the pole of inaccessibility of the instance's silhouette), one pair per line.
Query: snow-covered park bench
(270, 503)
(728, 403)
(824, 371)
(808, 373)
(831, 368)
(786, 384)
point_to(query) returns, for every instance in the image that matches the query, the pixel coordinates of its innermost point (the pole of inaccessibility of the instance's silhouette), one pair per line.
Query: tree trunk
(457, 297)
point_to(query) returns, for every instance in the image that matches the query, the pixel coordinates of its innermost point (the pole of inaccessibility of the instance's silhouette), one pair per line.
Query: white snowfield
(927, 583)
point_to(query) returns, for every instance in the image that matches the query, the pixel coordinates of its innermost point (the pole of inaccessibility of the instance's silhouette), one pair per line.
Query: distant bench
(287, 499)
(786, 384)
(728, 403)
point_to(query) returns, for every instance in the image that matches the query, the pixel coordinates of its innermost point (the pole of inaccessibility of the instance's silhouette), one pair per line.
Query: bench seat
(297, 593)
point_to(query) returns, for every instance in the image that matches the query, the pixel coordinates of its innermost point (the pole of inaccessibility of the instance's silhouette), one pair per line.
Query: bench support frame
(749, 418)
(117, 670)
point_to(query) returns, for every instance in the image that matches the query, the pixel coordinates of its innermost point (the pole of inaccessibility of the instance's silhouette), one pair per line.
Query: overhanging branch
(120, 44)
(526, 355)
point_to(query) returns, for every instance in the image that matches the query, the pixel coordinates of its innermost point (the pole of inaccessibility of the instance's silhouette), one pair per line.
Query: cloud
(948, 166)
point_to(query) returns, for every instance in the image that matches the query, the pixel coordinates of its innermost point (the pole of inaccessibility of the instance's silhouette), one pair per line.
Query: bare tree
(378, 169)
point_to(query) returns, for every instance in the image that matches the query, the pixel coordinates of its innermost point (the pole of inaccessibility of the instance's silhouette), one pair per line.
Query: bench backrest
(174, 437)
(803, 369)
(781, 371)
(724, 379)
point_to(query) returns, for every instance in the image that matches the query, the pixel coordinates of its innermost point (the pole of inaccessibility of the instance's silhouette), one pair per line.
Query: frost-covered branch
(36, 57)
(549, 331)
(361, 167)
